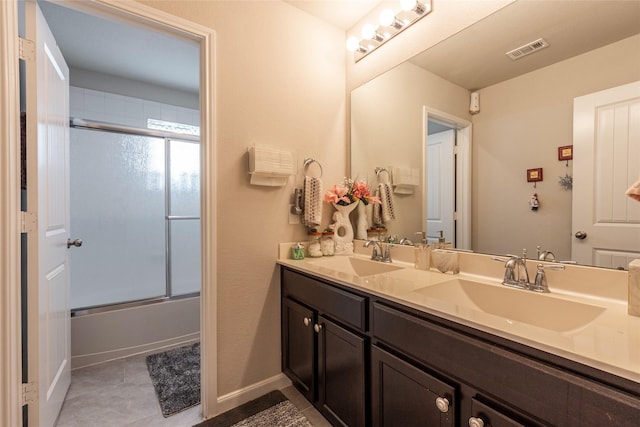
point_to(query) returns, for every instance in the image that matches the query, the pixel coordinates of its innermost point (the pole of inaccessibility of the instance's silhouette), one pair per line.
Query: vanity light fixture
(390, 25)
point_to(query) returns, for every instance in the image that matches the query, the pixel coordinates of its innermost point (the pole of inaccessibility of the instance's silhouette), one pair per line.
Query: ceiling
(473, 58)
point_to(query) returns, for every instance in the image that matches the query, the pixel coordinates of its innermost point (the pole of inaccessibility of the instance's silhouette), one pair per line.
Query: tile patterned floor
(120, 394)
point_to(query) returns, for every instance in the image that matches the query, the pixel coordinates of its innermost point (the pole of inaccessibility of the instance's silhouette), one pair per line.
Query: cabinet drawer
(343, 306)
(484, 415)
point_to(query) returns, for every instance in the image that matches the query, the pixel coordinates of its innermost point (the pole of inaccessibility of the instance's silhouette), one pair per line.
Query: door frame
(10, 217)
(463, 171)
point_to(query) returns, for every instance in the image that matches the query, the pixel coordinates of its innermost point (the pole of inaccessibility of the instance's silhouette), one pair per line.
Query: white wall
(521, 124)
(280, 81)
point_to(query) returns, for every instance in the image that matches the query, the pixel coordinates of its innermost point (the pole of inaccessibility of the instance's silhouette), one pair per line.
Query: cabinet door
(341, 374)
(298, 346)
(405, 396)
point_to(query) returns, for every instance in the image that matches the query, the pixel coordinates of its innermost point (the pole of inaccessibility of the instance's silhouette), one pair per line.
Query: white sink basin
(515, 305)
(354, 266)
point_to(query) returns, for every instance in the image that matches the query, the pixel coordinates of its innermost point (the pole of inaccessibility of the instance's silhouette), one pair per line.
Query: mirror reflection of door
(607, 162)
(440, 185)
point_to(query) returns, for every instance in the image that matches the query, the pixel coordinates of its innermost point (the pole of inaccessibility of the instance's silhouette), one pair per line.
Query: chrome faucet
(545, 255)
(377, 246)
(515, 271)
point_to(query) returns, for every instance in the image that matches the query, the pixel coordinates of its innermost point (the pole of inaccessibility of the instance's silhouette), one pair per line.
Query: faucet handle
(540, 283)
(387, 254)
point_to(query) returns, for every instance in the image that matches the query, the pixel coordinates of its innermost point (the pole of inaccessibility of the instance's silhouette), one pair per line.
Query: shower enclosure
(135, 203)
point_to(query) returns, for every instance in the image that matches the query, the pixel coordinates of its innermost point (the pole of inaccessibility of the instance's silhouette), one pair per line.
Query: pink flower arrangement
(350, 192)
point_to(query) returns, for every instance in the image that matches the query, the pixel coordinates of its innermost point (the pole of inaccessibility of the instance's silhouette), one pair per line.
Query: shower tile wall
(91, 104)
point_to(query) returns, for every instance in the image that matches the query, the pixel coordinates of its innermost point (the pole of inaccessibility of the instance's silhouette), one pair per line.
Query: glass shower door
(118, 205)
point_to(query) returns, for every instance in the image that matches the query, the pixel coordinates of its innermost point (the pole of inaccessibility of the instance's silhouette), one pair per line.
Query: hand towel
(377, 209)
(312, 201)
(634, 191)
(386, 202)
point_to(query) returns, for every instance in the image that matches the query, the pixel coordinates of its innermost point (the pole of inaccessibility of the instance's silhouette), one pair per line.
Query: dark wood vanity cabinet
(363, 360)
(325, 347)
(498, 386)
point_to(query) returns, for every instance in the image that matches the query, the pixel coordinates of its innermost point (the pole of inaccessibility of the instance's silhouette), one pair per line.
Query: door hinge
(27, 50)
(28, 222)
(29, 393)
(455, 216)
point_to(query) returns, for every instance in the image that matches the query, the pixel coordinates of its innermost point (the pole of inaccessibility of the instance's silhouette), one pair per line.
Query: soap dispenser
(422, 252)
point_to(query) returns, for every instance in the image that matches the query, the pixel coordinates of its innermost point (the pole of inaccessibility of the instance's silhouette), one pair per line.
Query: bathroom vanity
(369, 346)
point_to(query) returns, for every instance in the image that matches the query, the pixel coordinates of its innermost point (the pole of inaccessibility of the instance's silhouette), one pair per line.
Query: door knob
(306, 321)
(77, 243)
(317, 327)
(581, 235)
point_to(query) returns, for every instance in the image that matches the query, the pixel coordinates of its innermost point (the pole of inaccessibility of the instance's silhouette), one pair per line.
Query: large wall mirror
(399, 119)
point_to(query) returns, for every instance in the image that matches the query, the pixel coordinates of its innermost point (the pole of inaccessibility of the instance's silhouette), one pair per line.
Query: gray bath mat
(271, 410)
(175, 375)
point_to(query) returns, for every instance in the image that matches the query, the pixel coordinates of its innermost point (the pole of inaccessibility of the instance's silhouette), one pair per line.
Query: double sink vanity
(386, 344)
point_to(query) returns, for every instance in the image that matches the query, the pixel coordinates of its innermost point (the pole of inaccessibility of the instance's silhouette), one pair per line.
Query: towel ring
(379, 170)
(308, 161)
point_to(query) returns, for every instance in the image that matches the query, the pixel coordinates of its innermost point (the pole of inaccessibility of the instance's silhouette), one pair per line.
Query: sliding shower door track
(129, 304)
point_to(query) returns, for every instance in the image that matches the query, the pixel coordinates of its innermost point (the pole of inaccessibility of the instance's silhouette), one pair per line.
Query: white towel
(634, 191)
(377, 209)
(386, 202)
(312, 201)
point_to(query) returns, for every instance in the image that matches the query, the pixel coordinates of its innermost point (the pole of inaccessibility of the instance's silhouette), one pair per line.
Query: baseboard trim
(243, 395)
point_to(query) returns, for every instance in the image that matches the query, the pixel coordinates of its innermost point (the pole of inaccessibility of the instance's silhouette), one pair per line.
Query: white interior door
(47, 84)
(606, 129)
(441, 186)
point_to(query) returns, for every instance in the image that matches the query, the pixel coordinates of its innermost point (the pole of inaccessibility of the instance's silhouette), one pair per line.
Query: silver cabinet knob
(306, 321)
(77, 243)
(580, 235)
(317, 327)
(442, 403)
(476, 422)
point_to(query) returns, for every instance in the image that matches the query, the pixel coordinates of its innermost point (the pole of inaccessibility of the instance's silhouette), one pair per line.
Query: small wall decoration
(534, 202)
(534, 175)
(565, 152)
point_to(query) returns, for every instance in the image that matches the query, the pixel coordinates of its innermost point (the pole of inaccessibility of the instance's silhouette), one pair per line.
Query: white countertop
(610, 342)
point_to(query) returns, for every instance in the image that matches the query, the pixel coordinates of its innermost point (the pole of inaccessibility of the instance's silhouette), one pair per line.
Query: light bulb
(407, 5)
(368, 32)
(387, 18)
(353, 44)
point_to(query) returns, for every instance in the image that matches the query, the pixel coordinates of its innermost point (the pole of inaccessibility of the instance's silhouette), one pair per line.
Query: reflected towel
(312, 201)
(377, 209)
(634, 191)
(386, 202)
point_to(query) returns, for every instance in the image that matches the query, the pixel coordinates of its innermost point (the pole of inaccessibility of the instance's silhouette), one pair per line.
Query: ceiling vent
(527, 49)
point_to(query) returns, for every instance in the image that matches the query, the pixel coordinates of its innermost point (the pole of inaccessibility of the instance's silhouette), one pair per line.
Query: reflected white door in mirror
(606, 223)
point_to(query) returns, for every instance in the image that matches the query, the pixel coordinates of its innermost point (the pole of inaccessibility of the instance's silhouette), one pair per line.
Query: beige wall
(280, 81)
(386, 130)
(521, 124)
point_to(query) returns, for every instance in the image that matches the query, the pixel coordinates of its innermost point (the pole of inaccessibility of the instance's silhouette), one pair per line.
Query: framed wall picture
(534, 175)
(565, 153)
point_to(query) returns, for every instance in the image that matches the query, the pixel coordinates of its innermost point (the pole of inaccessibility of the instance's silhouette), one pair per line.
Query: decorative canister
(297, 251)
(315, 244)
(328, 244)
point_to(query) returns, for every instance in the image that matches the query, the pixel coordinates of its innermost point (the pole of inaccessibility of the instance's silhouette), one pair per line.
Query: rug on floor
(271, 410)
(175, 375)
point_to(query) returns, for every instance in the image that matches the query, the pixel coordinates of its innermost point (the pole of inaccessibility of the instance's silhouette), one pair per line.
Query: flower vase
(363, 224)
(342, 228)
